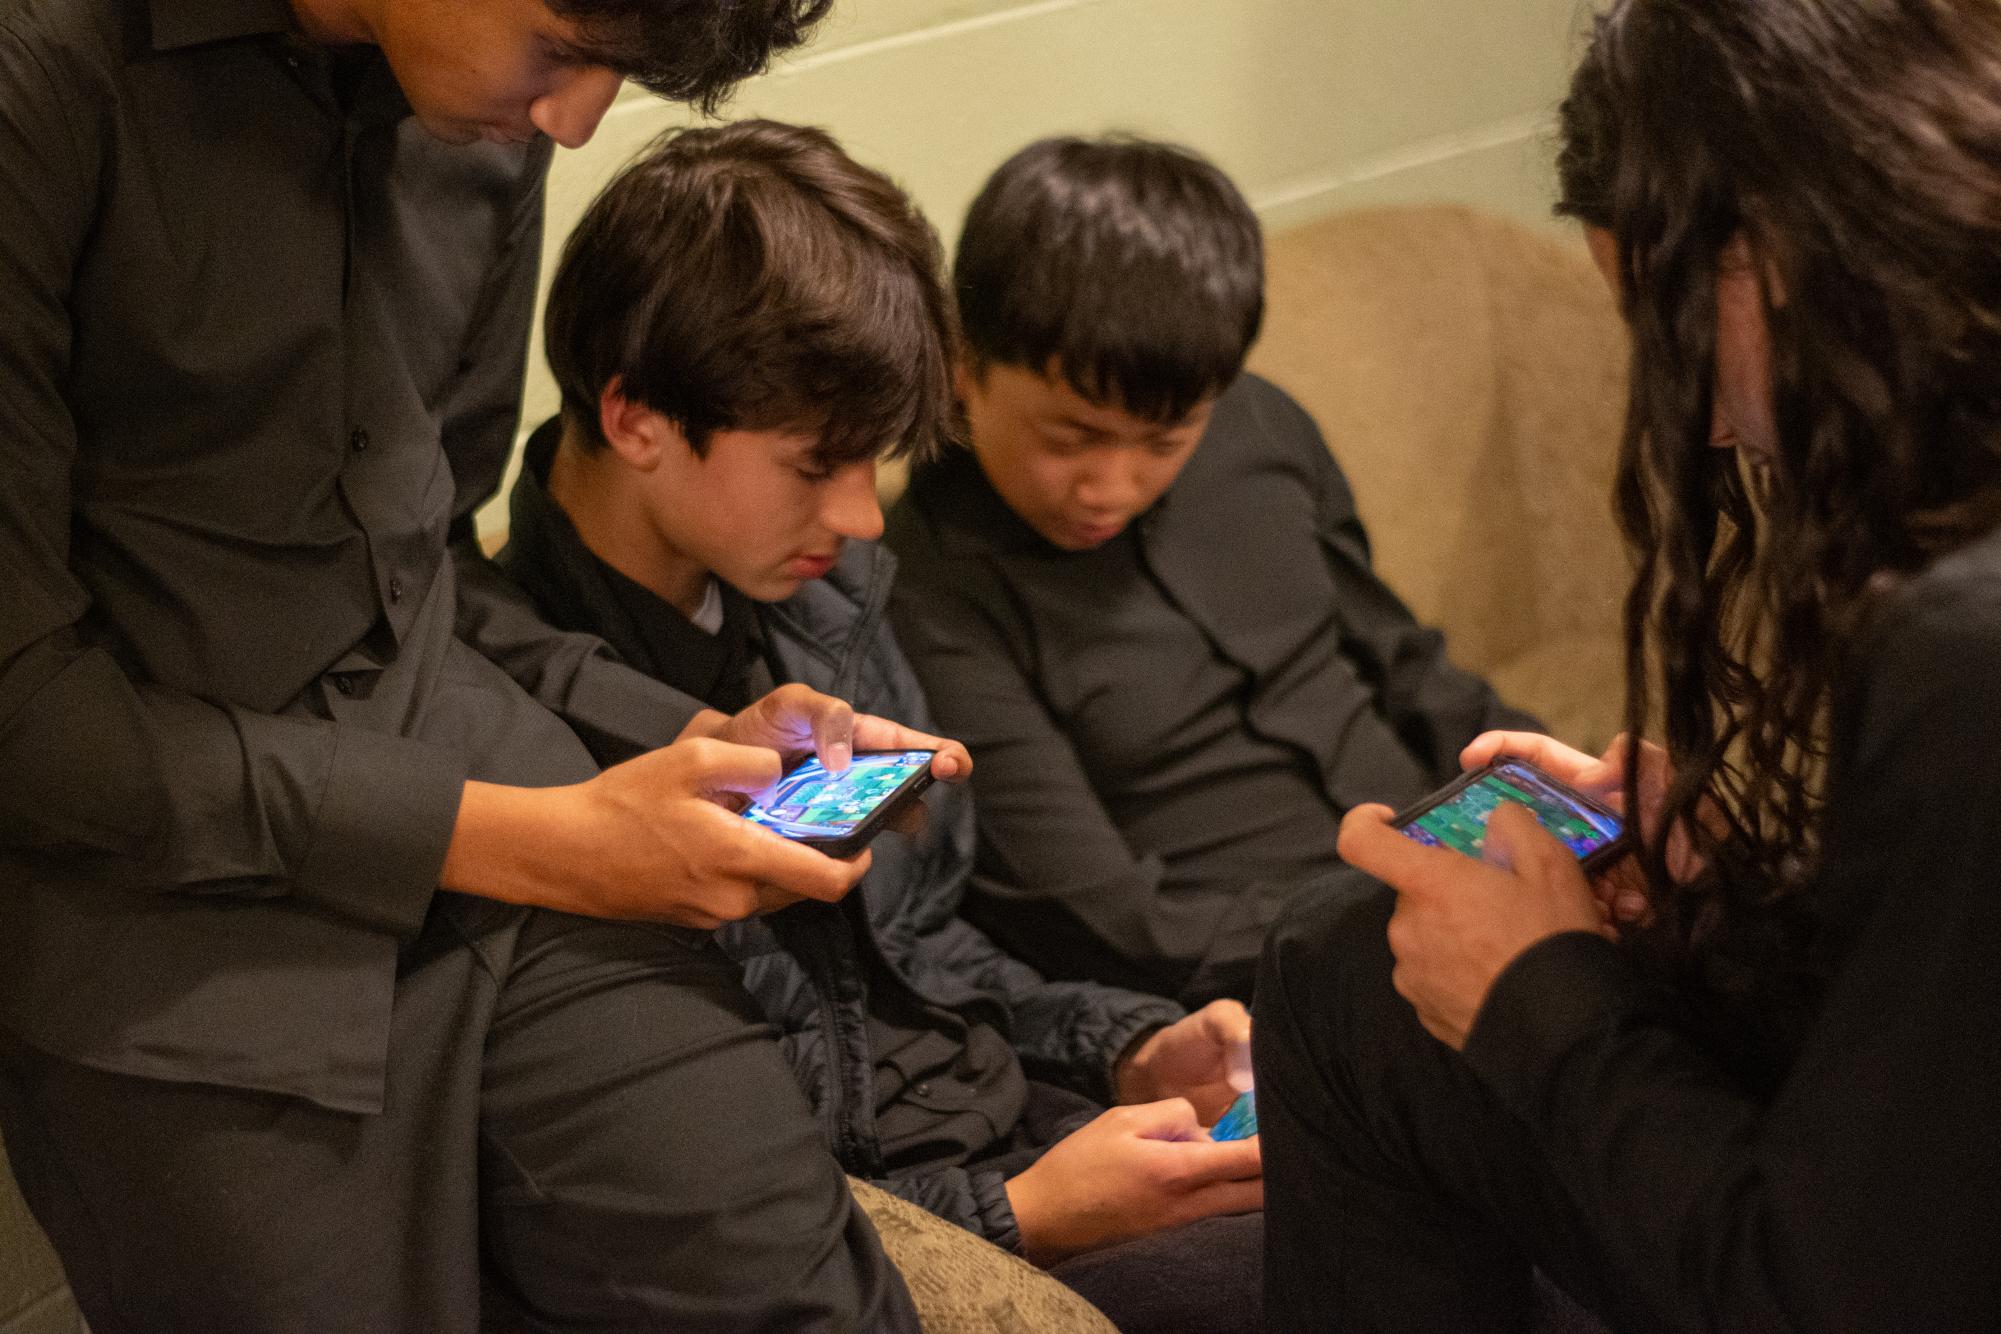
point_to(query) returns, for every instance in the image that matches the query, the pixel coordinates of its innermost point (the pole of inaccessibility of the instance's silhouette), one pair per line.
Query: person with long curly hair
(1747, 1078)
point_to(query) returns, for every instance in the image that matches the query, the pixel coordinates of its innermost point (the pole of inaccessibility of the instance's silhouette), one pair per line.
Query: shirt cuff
(996, 1211)
(384, 823)
(1555, 994)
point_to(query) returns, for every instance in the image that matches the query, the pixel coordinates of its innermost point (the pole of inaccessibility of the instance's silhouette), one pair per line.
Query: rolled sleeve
(378, 846)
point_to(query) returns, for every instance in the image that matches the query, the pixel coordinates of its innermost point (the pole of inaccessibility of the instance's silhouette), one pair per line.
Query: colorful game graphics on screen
(809, 802)
(1240, 1122)
(1460, 821)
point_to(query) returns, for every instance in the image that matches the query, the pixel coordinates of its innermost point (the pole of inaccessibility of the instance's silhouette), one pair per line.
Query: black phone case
(850, 843)
(1605, 855)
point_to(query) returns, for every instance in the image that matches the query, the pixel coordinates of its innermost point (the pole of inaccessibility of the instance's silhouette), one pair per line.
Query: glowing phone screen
(809, 802)
(1460, 821)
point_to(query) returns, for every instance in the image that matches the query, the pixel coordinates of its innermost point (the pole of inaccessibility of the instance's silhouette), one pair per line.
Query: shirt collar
(179, 23)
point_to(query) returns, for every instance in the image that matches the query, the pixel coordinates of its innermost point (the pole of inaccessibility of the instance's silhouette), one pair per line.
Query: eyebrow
(584, 51)
(1077, 424)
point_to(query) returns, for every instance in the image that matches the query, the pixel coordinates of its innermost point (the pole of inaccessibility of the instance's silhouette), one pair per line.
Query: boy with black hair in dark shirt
(741, 326)
(1143, 596)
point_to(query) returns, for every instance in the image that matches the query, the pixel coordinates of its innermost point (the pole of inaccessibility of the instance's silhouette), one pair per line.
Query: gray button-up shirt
(261, 345)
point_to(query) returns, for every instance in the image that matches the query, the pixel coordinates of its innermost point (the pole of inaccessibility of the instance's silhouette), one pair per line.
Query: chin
(455, 132)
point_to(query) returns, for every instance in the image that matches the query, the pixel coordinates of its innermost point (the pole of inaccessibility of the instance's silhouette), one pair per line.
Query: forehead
(492, 16)
(774, 442)
(1048, 396)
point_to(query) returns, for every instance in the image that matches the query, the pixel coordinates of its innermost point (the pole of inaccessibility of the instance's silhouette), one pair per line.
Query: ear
(640, 436)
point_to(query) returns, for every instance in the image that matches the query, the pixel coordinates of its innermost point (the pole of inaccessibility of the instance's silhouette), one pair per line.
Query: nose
(1114, 483)
(569, 112)
(851, 508)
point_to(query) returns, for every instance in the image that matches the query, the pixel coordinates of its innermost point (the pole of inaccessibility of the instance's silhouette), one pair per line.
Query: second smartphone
(1456, 816)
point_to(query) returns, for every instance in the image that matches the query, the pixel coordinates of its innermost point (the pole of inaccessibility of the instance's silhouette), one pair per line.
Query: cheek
(460, 74)
(1058, 480)
(1160, 473)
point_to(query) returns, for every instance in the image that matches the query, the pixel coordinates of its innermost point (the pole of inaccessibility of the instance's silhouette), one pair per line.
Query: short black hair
(689, 50)
(1136, 267)
(753, 276)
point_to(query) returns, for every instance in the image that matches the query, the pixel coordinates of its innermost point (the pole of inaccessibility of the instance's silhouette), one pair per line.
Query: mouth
(810, 567)
(1095, 534)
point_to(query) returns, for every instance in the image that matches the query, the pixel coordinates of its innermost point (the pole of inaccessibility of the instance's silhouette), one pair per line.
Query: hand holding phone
(839, 813)
(1456, 816)
(1240, 1122)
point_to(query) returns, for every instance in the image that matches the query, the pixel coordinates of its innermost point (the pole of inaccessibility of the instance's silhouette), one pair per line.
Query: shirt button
(358, 441)
(923, 1090)
(344, 684)
(395, 590)
(291, 62)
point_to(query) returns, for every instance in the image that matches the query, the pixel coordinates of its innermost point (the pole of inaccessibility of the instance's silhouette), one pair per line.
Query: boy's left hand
(1204, 1057)
(1459, 922)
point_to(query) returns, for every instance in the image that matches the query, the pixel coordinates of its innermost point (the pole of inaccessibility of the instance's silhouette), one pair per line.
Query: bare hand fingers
(1622, 888)
(1546, 753)
(1167, 1119)
(1225, 1197)
(1207, 1162)
(706, 767)
(1228, 1025)
(1516, 841)
(952, 763)
(1369, 844)
(779, 865)
(833, 723)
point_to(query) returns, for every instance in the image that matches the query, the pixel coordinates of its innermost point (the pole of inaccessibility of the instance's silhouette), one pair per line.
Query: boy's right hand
(646, 840)
(1620, 886)
(1132, 1171)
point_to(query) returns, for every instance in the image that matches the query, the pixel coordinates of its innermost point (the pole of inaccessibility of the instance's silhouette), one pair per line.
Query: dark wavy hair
(689, 50)
(753, 276)
(1856, 146)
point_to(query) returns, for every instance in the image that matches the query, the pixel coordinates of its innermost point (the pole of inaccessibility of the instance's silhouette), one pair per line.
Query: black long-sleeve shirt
(1168, 728)
(261, 344)
(1866, 1194)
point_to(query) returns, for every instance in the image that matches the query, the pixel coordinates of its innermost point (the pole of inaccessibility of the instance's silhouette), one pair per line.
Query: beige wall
(1312, 105)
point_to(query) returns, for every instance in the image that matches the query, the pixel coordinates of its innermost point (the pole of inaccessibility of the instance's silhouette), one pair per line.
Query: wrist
(512, 844)
(1025, 1197)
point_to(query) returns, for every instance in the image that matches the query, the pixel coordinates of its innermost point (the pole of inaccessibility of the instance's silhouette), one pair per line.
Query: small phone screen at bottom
(809, 802)
(1460, 823)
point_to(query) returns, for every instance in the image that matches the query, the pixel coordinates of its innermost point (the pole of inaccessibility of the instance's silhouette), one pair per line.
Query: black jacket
(1863, 1192)
(804, 964)
(1165, 730)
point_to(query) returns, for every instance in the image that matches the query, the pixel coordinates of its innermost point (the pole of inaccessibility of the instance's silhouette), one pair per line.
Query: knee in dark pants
(1331, 955)
(1205, 1277)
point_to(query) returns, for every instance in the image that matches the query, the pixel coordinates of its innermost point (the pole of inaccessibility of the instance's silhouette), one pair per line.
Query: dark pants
(593, 1113)
(1400, 1195)
(1203, 1277)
